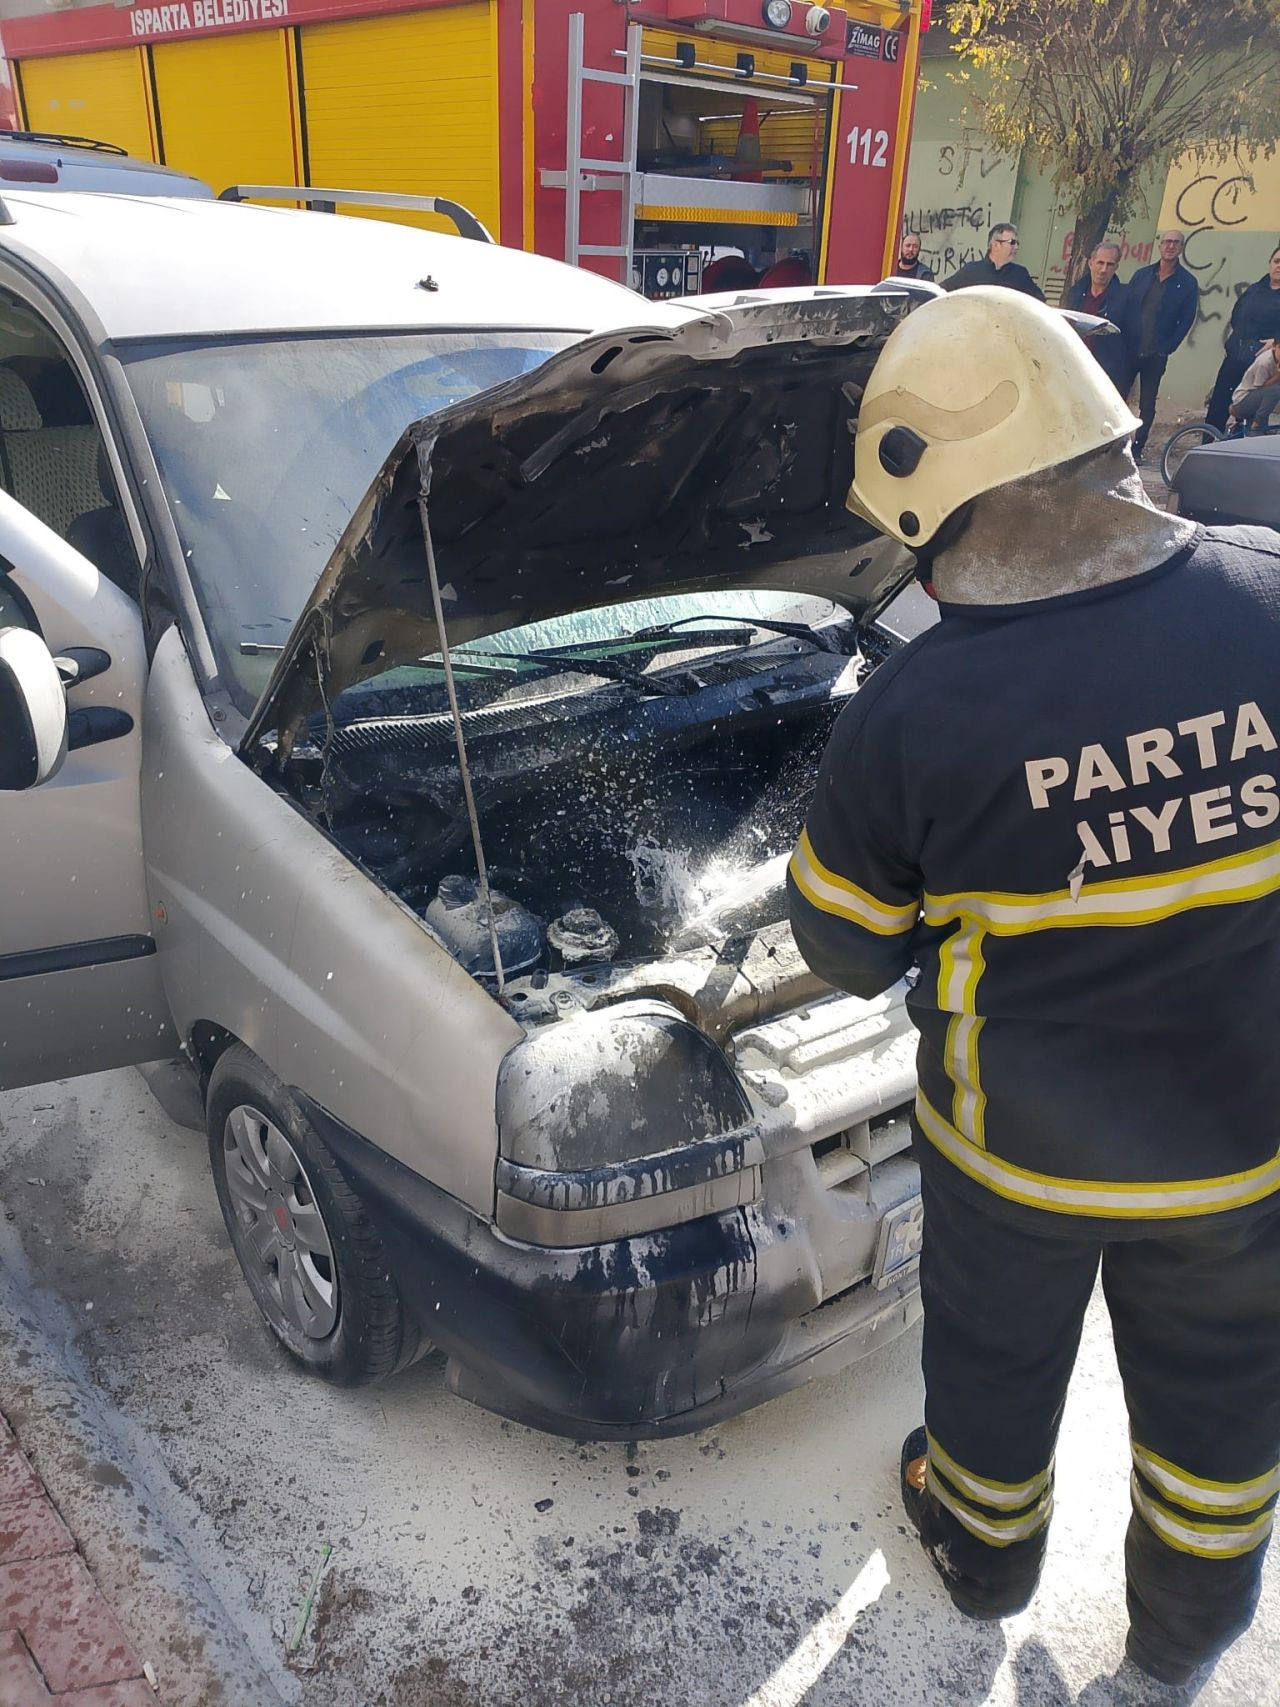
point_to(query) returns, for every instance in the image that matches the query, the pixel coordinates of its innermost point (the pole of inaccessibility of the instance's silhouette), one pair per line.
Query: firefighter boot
(984, 1582)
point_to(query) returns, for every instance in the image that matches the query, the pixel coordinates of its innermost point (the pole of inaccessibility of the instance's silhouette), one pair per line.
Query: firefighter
(1062, 805)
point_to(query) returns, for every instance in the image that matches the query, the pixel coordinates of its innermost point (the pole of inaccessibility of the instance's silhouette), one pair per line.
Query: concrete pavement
(762, 1564)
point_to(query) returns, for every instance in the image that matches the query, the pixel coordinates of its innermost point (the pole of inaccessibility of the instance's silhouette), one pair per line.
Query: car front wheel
(312, 1257)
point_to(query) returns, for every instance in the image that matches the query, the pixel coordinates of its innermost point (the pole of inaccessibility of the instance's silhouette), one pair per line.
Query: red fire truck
(678, 145)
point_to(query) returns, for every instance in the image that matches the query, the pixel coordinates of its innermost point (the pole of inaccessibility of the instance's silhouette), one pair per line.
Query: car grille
(846, 1160)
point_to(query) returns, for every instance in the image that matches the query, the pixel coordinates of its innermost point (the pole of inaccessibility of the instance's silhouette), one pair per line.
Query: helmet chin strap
(947, 536)
(1082, 524)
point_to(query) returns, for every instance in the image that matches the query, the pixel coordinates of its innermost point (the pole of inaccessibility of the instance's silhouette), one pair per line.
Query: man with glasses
(1164, 299)
(997, 267)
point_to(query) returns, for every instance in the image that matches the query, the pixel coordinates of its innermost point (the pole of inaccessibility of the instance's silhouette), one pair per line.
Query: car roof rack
(328, 201)
(58, 140)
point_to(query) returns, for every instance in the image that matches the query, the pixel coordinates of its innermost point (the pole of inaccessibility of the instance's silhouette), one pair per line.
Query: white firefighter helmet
(971, 391)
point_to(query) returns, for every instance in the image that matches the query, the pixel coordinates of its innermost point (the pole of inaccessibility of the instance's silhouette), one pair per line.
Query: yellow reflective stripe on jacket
(995, 1531)
(1009, 1495)
(1207, 1540)
(1113, 1199)
(827, 890)
(960, 967)
(1225, 1498)
(1117, 901)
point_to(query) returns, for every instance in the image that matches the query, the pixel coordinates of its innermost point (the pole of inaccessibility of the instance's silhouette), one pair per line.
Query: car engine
(615, 820)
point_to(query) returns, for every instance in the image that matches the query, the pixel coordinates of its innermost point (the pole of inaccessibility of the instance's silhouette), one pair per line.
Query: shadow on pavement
(1039, 1683)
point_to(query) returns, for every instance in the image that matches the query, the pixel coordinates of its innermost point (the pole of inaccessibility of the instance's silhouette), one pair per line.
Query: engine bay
(630, 789)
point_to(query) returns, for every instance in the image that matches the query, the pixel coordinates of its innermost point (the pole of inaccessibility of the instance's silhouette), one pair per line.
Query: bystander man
(1259, 391)
(909, 265)
(997, 266)
(1100, 292)
(1255, 317)
(1163, 300)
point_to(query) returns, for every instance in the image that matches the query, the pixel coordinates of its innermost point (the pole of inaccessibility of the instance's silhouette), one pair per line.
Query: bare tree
(1103, 91)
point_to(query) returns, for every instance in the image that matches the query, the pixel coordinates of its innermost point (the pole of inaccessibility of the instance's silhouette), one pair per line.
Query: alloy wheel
(281, 1238)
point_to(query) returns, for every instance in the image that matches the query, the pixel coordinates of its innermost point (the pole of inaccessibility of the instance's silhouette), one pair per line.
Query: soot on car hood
(641, 462)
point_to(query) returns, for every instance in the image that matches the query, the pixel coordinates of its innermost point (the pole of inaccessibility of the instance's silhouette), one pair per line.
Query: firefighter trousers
(1196, 1321)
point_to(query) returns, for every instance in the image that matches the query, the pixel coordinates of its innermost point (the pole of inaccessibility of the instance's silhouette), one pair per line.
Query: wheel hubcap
(281, 1237)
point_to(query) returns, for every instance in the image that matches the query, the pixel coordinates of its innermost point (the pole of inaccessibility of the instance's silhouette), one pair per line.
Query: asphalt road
(761, 1564)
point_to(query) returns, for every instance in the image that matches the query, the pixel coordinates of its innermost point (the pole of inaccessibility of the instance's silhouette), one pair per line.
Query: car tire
(311, 1255)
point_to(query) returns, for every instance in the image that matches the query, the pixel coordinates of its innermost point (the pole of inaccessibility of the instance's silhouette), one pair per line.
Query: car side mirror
(33, 711)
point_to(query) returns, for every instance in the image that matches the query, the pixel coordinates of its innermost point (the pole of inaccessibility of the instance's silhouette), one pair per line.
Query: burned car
(453, 880)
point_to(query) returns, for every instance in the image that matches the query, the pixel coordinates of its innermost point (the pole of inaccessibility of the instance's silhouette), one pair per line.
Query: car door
(79, 987)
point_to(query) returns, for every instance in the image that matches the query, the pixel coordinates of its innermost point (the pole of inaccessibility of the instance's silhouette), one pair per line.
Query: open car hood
(642, 462)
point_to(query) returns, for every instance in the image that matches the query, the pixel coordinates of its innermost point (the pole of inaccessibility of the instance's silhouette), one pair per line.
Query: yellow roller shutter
(225, 108)
(407, 103)
(102, 95)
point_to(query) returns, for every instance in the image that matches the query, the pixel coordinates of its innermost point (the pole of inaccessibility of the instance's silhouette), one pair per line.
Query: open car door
(79, 986)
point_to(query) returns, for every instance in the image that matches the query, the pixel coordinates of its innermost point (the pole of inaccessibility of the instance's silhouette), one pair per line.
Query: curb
(100, 1499)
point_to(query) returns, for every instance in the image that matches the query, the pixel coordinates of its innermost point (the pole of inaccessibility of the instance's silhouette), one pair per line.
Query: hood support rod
(446, 658)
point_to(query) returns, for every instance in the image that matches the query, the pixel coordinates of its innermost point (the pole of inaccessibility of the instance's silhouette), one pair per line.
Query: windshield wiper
(771, 625)
(555, 657)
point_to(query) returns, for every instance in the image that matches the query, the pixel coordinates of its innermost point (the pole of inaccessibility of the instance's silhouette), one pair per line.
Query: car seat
(52, 471)
(103, 536)
(61, 473)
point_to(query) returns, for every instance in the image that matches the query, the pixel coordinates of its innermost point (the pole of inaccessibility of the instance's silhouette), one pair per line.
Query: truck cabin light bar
(328, 201)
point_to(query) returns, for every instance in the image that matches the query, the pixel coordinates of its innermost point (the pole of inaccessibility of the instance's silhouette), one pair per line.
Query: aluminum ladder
(583, 174)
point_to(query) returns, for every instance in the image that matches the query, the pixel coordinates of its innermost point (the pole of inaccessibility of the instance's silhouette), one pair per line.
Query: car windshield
(638, 643)
(266, 445)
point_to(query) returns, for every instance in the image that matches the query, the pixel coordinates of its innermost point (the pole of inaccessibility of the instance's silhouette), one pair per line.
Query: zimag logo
(862, 41)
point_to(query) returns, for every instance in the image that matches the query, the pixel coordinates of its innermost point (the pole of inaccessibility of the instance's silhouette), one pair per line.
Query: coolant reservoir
(460, 919)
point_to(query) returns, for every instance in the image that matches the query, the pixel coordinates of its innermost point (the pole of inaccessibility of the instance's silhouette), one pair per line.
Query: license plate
(898, 1252)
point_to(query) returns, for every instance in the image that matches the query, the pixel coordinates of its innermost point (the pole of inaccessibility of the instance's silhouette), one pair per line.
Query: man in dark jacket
(1164, 299)
(997, 267)
(1061, 805)
(1255, 317)
(909, 265)
(1100, 292)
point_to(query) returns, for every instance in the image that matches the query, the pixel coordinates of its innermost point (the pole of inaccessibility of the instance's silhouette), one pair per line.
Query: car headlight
(618, 1122)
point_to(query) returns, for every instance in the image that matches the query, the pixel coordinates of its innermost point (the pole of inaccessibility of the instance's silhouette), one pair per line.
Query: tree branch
(1106, 90)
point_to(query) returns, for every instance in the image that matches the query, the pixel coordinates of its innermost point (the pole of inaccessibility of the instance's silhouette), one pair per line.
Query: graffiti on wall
(1230, 212)
(1206, 206)
(957, 192)
(1131, 254)
(1231, 215)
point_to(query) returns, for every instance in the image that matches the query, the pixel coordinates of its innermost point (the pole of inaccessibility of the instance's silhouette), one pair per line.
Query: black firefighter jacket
(1067, 815)
(985, 272)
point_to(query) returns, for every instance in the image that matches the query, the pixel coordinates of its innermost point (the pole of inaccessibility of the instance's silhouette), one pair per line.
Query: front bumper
(651, 1335)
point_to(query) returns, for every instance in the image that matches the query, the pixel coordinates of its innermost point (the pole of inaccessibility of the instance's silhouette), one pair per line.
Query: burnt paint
(635, 1338)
